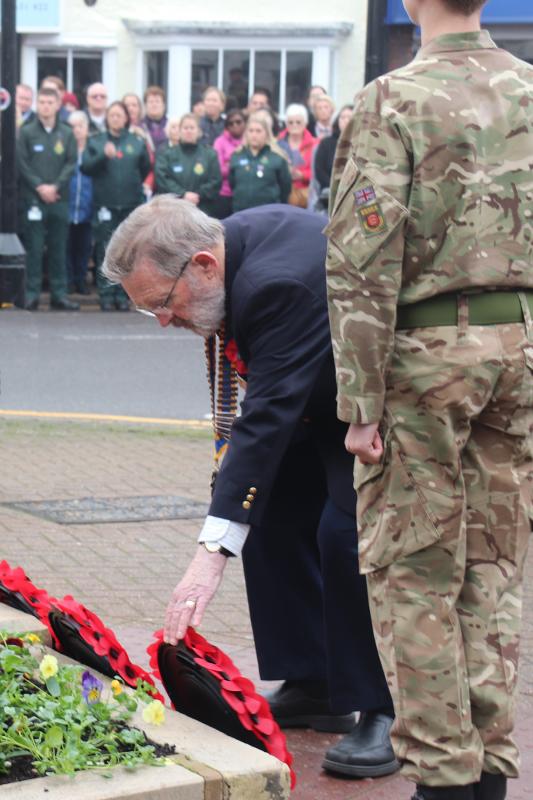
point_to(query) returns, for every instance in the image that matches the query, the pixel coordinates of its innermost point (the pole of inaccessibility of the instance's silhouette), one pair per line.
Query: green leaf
(53, 687)
(54, 736)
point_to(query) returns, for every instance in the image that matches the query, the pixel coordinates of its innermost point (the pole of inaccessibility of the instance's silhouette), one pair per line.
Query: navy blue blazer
(276, 309)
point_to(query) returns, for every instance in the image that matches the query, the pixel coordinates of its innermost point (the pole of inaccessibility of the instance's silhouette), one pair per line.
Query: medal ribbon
(223, 390)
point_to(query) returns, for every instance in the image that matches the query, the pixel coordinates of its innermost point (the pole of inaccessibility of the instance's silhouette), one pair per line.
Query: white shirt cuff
(231, 535)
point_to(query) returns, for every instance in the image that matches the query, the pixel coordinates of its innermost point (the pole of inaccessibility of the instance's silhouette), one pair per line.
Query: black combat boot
(444, 792)
(491, 787)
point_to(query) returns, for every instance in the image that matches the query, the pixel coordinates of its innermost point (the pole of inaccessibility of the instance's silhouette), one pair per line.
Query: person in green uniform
(187, 168)
(430, 286)
(257, 174)
(46, 155)
(118, 163)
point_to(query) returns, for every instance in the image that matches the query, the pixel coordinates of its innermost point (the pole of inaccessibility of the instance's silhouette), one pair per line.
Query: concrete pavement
(126, 571)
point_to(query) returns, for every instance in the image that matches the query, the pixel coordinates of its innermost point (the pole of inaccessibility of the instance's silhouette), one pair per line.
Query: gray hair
(297, 110)
(166, 231)
(80, 116)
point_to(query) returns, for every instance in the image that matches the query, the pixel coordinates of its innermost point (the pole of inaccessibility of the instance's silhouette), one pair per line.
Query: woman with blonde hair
(258, 175)
(298, 145)
(186, 167)
(324, 110)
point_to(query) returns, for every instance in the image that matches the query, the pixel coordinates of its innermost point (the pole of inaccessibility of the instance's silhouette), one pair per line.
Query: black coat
(324, 158)
(277, 313)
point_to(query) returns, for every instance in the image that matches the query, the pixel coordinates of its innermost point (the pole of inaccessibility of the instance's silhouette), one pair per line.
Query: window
(52, 63)
(87, 69)
(297, 76)
(268, 74)
(156, 69)
(236, 76)
(286, 74)
(76, 68)
(204, 72)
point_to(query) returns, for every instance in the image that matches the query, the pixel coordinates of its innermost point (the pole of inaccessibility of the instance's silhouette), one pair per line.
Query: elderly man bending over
(285, 486)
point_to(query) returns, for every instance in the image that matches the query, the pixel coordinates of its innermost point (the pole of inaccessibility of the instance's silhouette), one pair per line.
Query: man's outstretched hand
(365, 442)
(193, 593)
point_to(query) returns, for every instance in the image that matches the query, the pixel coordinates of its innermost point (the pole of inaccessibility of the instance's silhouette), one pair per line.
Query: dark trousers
(50, 231)
(103, 232)
(78, 252)
(308, 603)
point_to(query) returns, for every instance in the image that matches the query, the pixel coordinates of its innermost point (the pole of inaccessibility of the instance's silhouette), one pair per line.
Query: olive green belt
(486, 308)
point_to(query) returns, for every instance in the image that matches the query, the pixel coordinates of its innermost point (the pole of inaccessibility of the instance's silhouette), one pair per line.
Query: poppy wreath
(247, 714)
(81, 634)
(17, 591)
(74, 629)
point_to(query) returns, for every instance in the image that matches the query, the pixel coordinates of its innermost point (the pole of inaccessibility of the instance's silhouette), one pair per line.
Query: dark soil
(21, 770)
(22, 766)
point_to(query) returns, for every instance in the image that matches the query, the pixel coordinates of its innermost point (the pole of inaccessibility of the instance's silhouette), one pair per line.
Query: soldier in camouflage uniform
(430, 282)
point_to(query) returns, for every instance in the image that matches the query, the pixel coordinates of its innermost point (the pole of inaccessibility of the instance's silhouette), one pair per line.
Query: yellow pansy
(49, 667)
(32, 638)
(154, 713)
(116, 687)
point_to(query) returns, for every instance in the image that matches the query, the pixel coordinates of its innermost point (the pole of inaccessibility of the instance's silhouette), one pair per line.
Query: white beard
(206, 308)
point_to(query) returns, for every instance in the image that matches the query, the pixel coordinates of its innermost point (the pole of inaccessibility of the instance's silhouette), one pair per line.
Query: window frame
(324, 56)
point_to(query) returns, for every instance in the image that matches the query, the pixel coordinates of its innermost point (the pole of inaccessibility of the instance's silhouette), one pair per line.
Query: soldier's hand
(365, 442)
(110, 150)
(193, 593)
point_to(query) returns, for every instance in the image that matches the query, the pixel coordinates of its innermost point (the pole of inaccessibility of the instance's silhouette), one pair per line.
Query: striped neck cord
(223, 390)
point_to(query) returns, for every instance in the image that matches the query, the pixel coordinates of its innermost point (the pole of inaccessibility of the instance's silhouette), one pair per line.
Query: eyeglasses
(163, 308)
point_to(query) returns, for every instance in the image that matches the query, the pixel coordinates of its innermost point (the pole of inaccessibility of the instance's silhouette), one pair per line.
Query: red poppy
(231, 352)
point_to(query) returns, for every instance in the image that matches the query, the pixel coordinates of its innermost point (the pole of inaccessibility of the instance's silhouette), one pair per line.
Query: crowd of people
(82, 171)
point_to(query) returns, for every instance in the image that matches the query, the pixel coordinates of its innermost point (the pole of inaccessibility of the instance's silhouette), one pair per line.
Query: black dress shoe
(32, 305)
(491, 787)
(293, 706)
(367, 751)
(444, 792)
(106, 305)
(122, 305)
(64, 304)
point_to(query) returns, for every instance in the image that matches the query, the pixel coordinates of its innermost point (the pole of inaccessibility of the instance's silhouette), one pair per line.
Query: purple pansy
(91, 687)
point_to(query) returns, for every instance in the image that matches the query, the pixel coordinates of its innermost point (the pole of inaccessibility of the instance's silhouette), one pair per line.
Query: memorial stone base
(208, 765)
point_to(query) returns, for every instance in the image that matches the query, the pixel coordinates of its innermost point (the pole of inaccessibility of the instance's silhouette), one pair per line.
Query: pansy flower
(91, 687)
(49, 667)
(154, 713)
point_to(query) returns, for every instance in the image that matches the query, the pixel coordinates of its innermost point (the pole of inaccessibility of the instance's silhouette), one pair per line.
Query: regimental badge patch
(129, 149)
(59, 148)
(198, 169)
(372, 219)
(364, 196)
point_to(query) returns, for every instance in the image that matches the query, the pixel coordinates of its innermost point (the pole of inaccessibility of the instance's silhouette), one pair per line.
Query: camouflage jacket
(432, 192)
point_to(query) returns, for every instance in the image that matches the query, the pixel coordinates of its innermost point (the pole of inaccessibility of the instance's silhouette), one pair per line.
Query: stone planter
(208, 764)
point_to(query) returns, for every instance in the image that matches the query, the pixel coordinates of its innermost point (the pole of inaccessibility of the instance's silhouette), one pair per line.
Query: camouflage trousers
(443, 532)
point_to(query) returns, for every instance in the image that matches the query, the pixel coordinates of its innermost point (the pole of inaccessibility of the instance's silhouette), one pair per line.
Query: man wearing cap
(430, 281)
(258, 279)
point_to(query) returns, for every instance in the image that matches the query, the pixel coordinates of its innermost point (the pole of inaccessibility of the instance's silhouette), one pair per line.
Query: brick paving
(125, 572)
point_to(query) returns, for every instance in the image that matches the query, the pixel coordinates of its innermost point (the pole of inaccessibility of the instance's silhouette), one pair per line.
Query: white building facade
(186, 46)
